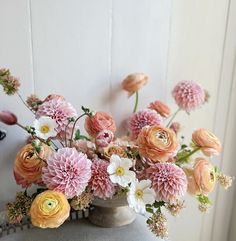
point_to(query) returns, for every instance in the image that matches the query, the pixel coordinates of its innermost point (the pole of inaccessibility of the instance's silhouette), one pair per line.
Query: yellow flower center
(49, 205)
(139, 194)
(120, 171)
(44, 129)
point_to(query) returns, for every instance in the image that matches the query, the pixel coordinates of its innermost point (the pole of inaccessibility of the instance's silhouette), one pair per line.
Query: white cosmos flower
(140, 194)
(45, 127)
(119, 170)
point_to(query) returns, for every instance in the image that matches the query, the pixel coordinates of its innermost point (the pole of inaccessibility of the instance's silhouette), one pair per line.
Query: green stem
(136, 102)
(73, 129)
(173, 116)
(189, 154)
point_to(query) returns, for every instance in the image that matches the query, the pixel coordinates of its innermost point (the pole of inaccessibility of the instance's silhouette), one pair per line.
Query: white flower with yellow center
(45, 127)
(140, 194)
(119, 170)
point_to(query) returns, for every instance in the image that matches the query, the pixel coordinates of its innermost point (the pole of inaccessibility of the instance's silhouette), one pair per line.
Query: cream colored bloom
(140, 194)
(45, 127)
(119, 170)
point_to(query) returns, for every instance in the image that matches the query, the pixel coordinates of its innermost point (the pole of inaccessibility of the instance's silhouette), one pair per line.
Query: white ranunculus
(119, 170)
(45, 127)
(140, 194)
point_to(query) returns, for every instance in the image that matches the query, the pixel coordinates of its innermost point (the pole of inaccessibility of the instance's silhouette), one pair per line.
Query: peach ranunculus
(99, 122)
(113, 149)
(207, 141)
(160, 108)
(28, 165)
(133, 82)
(49, 209)
(202, 178)
(157, 143)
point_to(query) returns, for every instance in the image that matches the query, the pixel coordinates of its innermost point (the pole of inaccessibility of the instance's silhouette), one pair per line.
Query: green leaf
(158, 204)
(149, 210)
(77, 135)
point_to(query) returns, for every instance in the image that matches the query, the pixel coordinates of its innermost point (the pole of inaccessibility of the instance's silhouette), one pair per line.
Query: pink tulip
(8, 118)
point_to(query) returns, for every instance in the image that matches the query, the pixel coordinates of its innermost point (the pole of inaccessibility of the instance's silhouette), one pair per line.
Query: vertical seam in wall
(216, 112)
(31, 44)
(168, 50)
(110, 53)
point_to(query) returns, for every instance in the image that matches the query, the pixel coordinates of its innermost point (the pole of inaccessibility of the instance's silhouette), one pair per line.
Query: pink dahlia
(100, 182)
(168, 180)
(67, 171)
(59, 110)
(188, 95)
(141, 119)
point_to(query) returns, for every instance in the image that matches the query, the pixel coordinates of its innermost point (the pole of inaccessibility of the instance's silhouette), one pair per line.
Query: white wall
(84, 48)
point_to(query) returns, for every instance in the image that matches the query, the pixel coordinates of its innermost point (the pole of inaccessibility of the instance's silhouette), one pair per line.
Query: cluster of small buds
(175, 209)
(33, 102)
(9, 83)
(225, 181)
(82, 202)
(158, 225)
(17, 210)
(204, 207)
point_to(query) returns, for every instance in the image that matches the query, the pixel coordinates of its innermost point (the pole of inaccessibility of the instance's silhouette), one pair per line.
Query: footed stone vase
(111, 213)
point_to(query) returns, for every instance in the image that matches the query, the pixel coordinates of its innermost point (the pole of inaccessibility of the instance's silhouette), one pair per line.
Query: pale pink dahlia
(59, 110)
(141, 119)
(168, 180)
(67, 171)
(188, 95)
(100, 182)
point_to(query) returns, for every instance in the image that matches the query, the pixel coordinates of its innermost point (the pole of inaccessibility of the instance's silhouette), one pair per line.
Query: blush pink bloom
(8, 118)
(67, 171)
(188, 95)
(168, 180)
(59, 110)
(141, 119)
(99, 122)
(104, 138)
(160, 108)
(100, 182)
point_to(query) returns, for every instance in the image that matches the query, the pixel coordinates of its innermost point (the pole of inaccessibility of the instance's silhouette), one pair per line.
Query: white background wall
(82, 49)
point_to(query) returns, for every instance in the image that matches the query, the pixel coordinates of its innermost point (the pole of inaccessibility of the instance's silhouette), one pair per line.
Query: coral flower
(99, 122)
(168, 180)
(141, 119)
(134, 82)
(160, 108)
(67, 171)
(8, 118)
(100, 182)
(188, 95)
(157, 143)
(207, 141)
(113, 149)
(49, 209)
(28, 165)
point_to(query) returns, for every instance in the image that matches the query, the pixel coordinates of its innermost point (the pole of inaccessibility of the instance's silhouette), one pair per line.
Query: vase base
(110, 217)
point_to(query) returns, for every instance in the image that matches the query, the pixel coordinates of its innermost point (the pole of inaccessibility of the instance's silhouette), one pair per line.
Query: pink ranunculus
(99, 122)
(8, 118)
(104, 138)
(160, 108)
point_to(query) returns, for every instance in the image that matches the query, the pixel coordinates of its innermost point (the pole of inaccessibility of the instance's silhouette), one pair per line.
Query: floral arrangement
(151, 165)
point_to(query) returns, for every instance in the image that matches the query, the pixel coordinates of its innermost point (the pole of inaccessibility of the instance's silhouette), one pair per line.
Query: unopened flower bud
(8, 118)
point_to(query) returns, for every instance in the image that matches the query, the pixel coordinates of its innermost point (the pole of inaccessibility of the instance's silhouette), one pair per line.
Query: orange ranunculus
(204, 175)
(193, 188)
(49, 209)
(160, 108)
(112, 149)
(134, 82)
(99, 122)
(28, 164)
(207, 141)
(157, 143)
